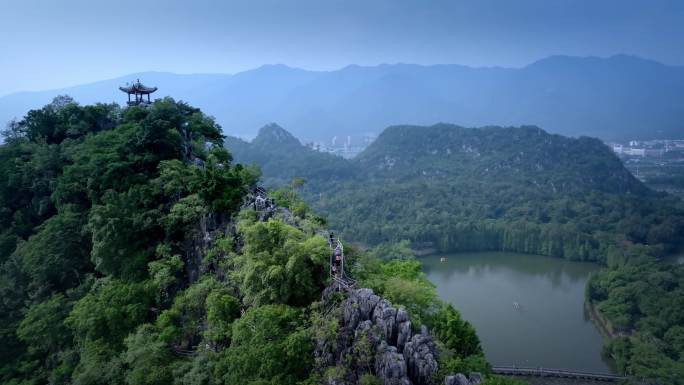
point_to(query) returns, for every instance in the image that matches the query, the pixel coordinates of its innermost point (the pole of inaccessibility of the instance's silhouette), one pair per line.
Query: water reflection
(528, 310)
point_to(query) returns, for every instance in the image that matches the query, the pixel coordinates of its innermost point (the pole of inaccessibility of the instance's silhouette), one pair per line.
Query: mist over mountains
(620, 97)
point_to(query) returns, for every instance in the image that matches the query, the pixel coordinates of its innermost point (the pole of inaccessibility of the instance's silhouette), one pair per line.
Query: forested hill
(525, 155)
(446, 187)
(132, 252)
(282, 157)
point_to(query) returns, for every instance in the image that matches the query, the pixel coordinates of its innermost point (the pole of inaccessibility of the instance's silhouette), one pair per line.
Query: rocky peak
(373, 331)
(273, 135)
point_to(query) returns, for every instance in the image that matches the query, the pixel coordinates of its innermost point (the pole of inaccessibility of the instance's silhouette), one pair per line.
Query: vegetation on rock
(125, 259)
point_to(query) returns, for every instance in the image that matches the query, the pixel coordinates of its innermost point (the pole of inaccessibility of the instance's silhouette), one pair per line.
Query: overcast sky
(55, 43)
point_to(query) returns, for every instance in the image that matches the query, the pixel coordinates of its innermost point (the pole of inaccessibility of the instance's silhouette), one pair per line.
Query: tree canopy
(125, 257)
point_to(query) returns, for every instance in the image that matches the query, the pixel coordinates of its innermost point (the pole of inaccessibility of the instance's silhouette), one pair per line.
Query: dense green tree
(206, 305)
(455, 333)
(110, 311)
(222, 310)
(122, 228)
(148, 358)
(48, 340)
(43, 329)
(99, 207)
(280, 264)
(642, 302)
(57, 256)
(271, 345)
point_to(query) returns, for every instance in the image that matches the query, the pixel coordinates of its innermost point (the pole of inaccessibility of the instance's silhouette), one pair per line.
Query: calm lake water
(549, 328)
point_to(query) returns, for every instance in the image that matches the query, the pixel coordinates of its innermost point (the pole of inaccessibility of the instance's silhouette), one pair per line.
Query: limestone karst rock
(373, 332)
(420, 354)
(460, 379)
(390, 365)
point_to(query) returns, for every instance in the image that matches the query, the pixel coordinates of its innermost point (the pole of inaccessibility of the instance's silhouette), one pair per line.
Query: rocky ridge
(375, 336)
(370, 334)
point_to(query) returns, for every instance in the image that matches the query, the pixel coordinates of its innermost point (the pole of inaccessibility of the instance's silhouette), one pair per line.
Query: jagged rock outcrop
(390, 365)
(475, 378)
(199, 240)
(460, 379)
(403, 329)
(266, 208)
(385, 316)
(421, 358)
(375, 336)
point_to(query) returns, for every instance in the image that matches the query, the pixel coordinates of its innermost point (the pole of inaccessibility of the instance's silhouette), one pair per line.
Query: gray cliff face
(199, 240)
(376, 337)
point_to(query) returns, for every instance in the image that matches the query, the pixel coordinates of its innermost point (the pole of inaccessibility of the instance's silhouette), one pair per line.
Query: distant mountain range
(620, 97)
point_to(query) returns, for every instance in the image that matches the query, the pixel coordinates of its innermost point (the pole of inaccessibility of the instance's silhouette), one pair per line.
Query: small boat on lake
(443, 259)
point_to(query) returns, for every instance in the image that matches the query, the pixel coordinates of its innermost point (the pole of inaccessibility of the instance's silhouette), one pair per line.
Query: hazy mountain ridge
(613, 98)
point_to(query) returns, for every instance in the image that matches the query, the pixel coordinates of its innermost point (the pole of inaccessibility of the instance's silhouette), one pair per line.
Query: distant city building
(650, 148)
(656, 152)
(348, 148)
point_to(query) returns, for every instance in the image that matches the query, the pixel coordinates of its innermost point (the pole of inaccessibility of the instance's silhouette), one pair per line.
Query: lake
(528, 310)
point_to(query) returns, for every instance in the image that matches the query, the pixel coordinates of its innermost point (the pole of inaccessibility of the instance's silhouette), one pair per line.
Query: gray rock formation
(199, 240)
(390, 365)
(475, 378)
(374, 336)
(459, 379)
(420, 354)
(385, 316)
(403, 329)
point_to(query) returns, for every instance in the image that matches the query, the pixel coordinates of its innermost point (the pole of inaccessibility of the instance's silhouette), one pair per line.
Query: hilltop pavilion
(139, 91)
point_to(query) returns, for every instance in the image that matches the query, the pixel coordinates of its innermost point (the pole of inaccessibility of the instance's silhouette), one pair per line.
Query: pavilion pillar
(136, 93)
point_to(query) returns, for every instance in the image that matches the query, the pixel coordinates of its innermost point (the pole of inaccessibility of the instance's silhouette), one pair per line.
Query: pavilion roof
(137, 88)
